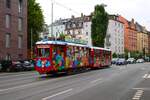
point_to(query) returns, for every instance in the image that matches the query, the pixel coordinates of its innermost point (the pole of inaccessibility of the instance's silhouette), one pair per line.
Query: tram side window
(103, 57)
(58, 50)
(43, 52)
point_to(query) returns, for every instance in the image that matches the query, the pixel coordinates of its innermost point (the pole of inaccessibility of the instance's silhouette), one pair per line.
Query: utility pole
(52, 18)
(31, 44)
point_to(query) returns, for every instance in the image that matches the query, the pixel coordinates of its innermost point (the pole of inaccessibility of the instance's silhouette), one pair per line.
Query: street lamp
(31, 44)
(52, 1)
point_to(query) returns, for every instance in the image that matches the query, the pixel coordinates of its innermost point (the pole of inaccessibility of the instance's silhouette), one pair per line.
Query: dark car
(114, 60)
(16, 66)
(28, 65)
(121, 61)
(0, 66)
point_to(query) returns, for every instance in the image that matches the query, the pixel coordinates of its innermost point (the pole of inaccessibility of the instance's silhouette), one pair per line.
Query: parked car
(121, 61)
(28, 65)
(140, 60)
(16, 66)
(114, 60)
(131, 61)
(5, 64)
(0, 66)
(147, 59)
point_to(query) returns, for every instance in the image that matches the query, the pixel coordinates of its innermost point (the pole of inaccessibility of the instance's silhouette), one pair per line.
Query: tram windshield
(43, 52)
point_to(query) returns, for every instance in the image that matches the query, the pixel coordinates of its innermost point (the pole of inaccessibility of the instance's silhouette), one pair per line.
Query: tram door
(58, 57)
(91, 58)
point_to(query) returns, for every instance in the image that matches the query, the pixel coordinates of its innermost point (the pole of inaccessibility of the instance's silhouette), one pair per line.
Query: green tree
(99, 26)
(35, 22)
(62, 36)
(114, 55)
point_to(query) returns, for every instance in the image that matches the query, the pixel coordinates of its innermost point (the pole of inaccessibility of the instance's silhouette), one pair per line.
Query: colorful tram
(58, 56)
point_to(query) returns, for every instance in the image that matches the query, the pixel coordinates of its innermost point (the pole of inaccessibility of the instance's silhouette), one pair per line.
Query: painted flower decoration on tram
(47, 64)
(39, 63)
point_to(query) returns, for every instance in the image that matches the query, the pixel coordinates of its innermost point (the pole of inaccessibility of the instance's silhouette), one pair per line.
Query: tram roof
(71, 44)
(100, 48)
(61, 43)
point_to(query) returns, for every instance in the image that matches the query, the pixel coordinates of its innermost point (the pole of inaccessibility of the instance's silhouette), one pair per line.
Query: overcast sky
(137, 9)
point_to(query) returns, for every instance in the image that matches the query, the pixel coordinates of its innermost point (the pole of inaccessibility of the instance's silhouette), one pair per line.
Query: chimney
(82, 15)
(132, 21)
(72, 16)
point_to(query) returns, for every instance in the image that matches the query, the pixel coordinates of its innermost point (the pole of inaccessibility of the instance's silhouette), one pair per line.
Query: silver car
(140, 60)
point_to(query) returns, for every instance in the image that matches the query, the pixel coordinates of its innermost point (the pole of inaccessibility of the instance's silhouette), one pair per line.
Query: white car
(140, 60)
(131, 61)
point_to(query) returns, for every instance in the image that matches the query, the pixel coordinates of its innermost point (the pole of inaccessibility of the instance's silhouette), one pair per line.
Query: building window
(7, 38)
(8, 57)
(86, 33)
(7, 20)
(80, 24)
(86, 25)
(20, 6)
(68, 26)
(8, 3)
(19, 42)
(74, 25)
(79, 32)
(20, 24)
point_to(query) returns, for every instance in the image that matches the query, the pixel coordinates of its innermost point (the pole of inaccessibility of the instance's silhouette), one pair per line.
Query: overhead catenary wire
(64, 6)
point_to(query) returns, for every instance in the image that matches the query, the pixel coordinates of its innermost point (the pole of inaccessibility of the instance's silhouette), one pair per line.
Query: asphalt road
(131, 82)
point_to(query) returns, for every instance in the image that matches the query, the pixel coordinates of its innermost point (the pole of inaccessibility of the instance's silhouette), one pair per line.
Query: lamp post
(52, 17)
(31, 44)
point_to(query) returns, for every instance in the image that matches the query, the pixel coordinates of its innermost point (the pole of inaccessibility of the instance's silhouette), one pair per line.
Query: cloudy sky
(137, 9)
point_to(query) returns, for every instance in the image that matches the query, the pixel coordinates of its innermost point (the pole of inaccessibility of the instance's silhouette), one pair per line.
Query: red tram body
(58, 56)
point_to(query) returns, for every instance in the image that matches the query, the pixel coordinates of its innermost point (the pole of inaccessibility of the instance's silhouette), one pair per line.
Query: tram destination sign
(43, 46)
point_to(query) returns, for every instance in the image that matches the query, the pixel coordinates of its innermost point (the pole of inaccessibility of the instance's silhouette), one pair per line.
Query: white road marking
(94, 81)
(59, 93)
(135, 98)
(22, 86)
(9, 76)
(145, 76)
(148, 76)
(138, 88)
(141, 89)
(138, 95)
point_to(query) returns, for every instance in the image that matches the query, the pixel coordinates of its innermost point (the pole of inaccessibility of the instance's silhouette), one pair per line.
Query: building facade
(149, 43)
(115, 33)
(142, 39)
(58, 28)
(87, 29)
(13, 29)
(78, 28)
(130, 34)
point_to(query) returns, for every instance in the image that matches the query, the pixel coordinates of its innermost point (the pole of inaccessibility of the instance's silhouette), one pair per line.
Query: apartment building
(13, 29)
(115, 35)
(142, 39)
(130, 34)
(77, 28)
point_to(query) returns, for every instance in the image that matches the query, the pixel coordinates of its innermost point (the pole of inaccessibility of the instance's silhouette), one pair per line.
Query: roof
(68, 43)
(60, 43)
(100, 48)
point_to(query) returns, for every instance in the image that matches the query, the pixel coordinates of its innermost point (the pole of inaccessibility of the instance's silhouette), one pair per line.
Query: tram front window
(43, 52)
